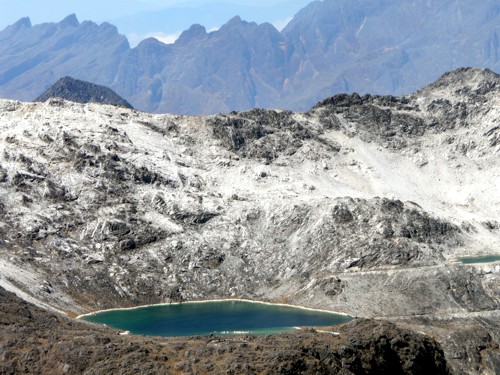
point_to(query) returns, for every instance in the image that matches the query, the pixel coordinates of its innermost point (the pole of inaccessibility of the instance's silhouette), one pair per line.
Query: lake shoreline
(214, 300)
(478, 259)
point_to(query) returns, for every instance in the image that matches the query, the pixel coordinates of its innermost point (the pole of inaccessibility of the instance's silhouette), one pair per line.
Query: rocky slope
(330, 46)
(82, 92)
(360, 205)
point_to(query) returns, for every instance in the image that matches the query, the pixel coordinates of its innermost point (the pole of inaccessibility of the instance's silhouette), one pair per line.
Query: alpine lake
(480, 259)
(221, 318)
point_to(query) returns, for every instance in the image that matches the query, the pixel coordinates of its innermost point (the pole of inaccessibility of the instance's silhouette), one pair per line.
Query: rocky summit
(82, 92)
(361, 205)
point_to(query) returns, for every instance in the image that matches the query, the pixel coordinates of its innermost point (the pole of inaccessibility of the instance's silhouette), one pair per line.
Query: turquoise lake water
(219, 318)
(483, 259)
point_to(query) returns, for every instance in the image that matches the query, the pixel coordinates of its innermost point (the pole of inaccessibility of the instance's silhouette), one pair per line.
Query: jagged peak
(70, 21)
(21, 24)
(150, 42)
(67, 79)
(24, 22)
(482, 80)
(267, 27)
(193, 32)
(108, 26)
(469, 73)
(235, 22)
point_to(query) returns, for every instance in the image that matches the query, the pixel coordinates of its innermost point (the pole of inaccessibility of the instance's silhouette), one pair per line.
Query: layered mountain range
(331, 46)
(361, 205)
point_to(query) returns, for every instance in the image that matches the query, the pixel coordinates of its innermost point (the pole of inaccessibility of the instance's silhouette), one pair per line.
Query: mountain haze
(332, 46)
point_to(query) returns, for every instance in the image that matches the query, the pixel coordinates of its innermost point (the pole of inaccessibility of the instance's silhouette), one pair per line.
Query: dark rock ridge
(360, 205)
(332, 46)
(36, 341)
(82, 92)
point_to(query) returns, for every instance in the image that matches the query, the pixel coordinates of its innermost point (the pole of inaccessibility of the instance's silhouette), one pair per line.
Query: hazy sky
(164, 19)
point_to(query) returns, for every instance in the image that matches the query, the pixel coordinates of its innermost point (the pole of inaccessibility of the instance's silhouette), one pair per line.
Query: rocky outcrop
(82, 92)
(261, 134)
(472, 343)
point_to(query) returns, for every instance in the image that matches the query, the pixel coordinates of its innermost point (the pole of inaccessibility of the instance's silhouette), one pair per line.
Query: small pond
(217, 317)
(481, 259)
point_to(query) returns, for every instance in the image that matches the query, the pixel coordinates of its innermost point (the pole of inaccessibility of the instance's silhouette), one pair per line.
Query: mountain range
(331, 46)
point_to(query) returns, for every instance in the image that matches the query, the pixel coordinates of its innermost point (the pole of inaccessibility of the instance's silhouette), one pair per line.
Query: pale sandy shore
(211, 301)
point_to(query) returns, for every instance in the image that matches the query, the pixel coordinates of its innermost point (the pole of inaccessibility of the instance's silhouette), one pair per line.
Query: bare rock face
(361, 205)
(261, 134)
(473, 341)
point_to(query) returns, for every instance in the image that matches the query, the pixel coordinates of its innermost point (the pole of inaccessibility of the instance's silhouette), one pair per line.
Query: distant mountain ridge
(83, 92)
(332, 46)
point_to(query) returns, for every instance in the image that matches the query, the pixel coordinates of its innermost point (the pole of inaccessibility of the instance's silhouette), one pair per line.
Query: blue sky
(164, 19)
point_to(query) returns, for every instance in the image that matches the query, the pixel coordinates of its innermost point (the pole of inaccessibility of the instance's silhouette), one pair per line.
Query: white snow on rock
(105, 199)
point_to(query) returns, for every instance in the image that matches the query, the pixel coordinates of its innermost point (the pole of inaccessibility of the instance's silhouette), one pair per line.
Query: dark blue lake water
(220, 318)
(483, 259)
